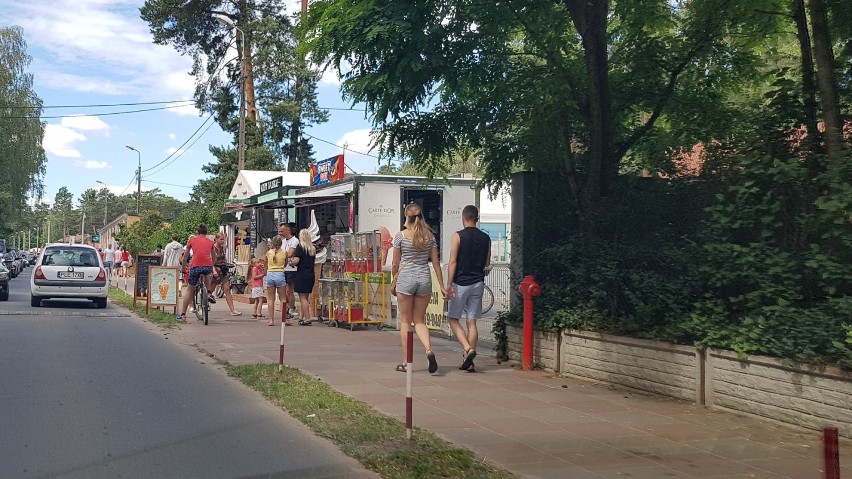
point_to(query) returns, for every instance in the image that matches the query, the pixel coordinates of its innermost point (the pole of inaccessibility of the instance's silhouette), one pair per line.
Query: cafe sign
(271, 184)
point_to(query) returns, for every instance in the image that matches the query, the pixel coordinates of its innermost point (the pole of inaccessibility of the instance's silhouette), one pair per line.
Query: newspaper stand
(356, 289)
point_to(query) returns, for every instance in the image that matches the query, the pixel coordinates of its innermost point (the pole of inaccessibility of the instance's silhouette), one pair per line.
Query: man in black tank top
(470, 258)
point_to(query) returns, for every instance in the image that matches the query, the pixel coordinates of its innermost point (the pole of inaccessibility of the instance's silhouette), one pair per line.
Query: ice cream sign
(327, 170)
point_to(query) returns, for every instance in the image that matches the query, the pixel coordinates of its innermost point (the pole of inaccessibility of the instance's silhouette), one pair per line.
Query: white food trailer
(361, 203)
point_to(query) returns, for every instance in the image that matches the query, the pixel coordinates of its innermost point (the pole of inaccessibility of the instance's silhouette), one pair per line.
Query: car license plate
(69, 275)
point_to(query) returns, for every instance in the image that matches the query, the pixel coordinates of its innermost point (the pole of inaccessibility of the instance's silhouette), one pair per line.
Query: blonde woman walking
(414, 248)
(303, 260)
(276, 260)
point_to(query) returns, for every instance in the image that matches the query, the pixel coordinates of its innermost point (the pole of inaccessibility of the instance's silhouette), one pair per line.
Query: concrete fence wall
(806, 397)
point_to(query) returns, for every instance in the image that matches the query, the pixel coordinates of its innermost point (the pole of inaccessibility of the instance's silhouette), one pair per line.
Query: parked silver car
(69, 271)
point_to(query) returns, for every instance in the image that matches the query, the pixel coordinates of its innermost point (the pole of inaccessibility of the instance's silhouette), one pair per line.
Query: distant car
(10, 263)
(20, 258)
(4, 283)
(69, 271)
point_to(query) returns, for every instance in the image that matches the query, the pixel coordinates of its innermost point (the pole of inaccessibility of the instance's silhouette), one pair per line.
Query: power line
(167, 184)
(104, 105)
(99, 114)
(341, 147)
(183, 151)
(181, 146)
(128, 185)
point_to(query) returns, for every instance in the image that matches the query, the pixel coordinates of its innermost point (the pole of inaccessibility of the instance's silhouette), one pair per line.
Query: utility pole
(138, 177)
(241, 50)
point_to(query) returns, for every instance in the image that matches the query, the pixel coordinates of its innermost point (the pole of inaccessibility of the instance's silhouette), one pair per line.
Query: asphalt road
(94, 393)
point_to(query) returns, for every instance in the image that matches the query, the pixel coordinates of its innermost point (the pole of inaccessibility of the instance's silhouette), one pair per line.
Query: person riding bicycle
(220, 262)
(201, 249)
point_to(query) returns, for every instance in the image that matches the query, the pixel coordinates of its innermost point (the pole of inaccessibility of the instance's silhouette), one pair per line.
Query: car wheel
(101, 302)
(4, 296)
(35, 302)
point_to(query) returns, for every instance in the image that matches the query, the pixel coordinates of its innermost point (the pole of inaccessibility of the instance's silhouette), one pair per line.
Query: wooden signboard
(140, 285)
(162, 287)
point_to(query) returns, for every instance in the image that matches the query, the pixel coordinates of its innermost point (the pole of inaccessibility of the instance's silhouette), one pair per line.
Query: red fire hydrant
(529, 289)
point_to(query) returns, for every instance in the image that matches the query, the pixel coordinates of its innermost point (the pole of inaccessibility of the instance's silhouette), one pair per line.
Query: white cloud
(100, 46)
(115, 189)
(92, 164)
(174, 151)
(172, 136)
(83, 122)
(357, 141)
(60, 140)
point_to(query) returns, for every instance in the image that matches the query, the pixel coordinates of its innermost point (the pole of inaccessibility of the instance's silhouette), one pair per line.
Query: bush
(758, 261)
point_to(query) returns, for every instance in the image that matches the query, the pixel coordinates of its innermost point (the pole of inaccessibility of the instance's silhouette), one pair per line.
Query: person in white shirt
(289, 244)
(109, 258)
(172, 255)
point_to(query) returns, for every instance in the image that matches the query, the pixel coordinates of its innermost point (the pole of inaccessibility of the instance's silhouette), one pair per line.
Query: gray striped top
(421, 259)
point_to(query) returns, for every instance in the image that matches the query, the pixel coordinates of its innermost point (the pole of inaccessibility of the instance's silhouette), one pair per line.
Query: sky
(100, 52)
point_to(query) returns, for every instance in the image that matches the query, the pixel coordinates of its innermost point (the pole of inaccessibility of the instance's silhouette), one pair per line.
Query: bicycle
(236, 283)
(487, 299)
(200, 303)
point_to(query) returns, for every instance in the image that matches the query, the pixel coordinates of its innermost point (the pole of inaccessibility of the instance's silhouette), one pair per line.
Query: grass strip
(156, 316)
(376, 440)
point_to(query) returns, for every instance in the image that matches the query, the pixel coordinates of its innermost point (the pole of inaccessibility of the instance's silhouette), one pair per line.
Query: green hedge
(756, 260)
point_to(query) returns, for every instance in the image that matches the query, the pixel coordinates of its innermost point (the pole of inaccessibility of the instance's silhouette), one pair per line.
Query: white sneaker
(191, 309)
(236, 313)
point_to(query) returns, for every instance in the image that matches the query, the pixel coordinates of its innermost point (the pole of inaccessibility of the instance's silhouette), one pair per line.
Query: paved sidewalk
(530, 423)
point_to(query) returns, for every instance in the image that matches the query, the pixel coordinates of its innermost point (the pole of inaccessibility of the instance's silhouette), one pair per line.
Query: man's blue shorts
(196, 272)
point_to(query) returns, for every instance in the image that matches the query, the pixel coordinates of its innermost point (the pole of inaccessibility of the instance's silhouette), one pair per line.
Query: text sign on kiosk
(271, 184)
(327, 170)
(140, 285)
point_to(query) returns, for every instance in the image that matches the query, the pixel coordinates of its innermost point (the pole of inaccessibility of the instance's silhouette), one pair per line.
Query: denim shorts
(108, 264)
(412, 284)
(196, 272)
(275, 279)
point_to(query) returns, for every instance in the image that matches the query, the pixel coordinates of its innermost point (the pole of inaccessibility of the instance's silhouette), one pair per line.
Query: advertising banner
(163, 285)
(327, 170)
(435, 311)
(143, 263)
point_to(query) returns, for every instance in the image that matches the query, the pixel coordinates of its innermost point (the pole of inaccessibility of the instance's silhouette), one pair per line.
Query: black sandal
(401, 367)
(468, 360)
(305, 322)
(433, 364)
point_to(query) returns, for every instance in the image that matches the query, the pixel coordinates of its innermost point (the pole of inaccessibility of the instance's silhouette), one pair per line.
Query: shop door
(432, 203)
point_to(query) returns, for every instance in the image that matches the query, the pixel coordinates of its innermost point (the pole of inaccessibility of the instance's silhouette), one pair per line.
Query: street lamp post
(83, 226)
(105, 201)
(138, 177)
(241, 158)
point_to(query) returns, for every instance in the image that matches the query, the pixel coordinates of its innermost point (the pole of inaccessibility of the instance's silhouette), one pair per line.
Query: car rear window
(69, 256)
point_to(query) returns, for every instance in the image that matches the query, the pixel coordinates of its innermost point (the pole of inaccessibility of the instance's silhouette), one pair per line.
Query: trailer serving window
(432, 203)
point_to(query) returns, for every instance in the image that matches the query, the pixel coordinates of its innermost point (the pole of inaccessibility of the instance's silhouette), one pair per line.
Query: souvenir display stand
(356, 291)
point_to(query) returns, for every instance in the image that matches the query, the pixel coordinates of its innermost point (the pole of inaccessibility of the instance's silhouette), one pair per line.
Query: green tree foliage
(562, 86)
(186, 224)
(755, 253)
(137, 237)
(22, 159)
(280, 90)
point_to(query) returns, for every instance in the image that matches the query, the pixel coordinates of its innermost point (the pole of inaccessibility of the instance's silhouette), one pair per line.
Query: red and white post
(831, 448)
(409, 371)
(281, 344)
